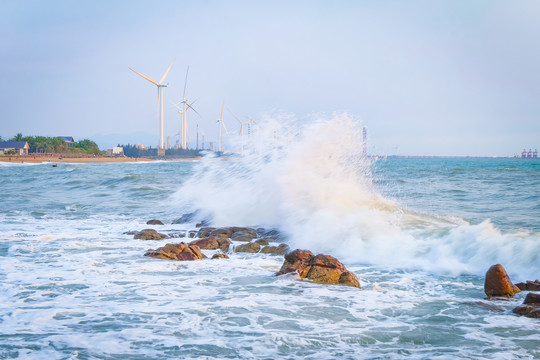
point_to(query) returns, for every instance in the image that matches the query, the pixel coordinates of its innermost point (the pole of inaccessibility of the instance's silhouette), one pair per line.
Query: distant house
(115, 151)
(68, 139)
(18, 147)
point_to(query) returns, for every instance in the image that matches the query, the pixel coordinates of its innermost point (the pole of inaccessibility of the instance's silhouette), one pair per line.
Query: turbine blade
(223, 122)
(236, 117)
(144, 76)
(222, 107)
(166, 72)
(192, 108)
(185, 82)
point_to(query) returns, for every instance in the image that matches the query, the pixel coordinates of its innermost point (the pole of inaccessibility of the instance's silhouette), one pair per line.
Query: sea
(419, 233)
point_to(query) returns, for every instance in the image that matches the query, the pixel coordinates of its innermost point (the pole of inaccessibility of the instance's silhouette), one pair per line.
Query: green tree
(18, 137)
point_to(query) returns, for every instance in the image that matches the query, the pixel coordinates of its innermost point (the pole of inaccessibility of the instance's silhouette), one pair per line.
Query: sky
(425, 77)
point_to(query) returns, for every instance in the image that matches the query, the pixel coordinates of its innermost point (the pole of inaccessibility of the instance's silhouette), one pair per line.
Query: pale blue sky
(425, 77)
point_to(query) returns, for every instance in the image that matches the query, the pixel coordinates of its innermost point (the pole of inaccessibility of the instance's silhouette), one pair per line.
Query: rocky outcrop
(213, 243)
(497, 283)
(182, 251)
(282, 249)
(149, 234)
(324, 269)
(529, 286)
(530, 307)
(248, 248)
(154, 222)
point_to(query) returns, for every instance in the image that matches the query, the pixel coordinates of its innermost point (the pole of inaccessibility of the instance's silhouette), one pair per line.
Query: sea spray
(313, 183)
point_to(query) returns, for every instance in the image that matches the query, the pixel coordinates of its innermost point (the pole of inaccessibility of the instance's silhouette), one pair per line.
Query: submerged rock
(497, 283)
(248, 248)
(282, 249)
(220, 256)
(181, 251)
(149, 234)
(530, 307)
(529, 286)
(212, 243)
(323, 269)
(154, 222)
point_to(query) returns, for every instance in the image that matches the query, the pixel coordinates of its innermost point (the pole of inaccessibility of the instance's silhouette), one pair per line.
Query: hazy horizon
(445, 78)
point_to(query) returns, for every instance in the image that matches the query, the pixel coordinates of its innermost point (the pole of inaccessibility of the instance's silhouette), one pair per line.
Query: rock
(131, 232)
(297, 261)
(220, 256)
(272, 235)
(497, 283)
(222, 232)
(244, 235)
(205, 231)
(530, 307)
(262, 242)
(282, 249)
(203, 223)
(324, 269)
(181, 251)
(149, 234)
(192, 233)
(154, 222)
(348, 278)
(185, 218)
(248, 248)
(529, 286)
(177, 234)
(212, 243)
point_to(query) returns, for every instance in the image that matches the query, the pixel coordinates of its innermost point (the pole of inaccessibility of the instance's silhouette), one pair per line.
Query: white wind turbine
(248, 123)
(183, 112)
(220, 124)
(160, 87)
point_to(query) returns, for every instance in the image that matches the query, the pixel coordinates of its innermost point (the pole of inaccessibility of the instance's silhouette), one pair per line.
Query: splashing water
(313, 183)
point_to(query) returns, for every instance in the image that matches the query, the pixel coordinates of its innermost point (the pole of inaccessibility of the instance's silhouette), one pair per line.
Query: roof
(13, 144)
(66, 138)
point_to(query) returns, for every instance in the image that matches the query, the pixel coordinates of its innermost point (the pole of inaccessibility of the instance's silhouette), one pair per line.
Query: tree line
(136, 152)
(44, 144)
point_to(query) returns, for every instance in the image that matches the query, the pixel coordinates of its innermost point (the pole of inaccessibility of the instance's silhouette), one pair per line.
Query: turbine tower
(183, 112)
(160, 87)
(248, 123)
(220, 124)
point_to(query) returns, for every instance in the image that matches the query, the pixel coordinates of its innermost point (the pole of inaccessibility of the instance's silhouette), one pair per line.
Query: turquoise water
(419, 234)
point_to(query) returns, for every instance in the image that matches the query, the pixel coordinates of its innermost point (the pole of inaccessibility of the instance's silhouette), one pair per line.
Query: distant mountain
(109, 141)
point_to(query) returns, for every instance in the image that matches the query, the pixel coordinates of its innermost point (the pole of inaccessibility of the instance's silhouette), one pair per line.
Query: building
(68, 139)
(14, 148)
(115, 151)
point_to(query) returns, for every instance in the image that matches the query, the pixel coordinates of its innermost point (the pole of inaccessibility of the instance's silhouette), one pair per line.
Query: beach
(79, 159)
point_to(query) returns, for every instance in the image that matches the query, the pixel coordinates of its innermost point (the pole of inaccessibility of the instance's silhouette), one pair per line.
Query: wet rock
(185, 218)
(181, 251)
(154, 222)
(131, 232)
(324, 269)
(212, 243)
(530, 307)
(297, 261)
(248, 248)
(205, 231)
(192, 233)
(529, 286)
(273, 235)
(220, 256)
(282, 249)
(203, 223)
(149, 234)
(244, 235)
(177, 234)
(262, 242)
(497, 283)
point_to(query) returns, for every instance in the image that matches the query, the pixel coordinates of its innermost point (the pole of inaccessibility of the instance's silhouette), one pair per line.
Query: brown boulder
(244, 235)
(209, 243)
(530, 307)
(529, 286)
(149, 234)
(248, 248)
(324, 269)
(181, 251)
(220, 256)
(282, 249)
(297, 261)
(205, 231)
(262, 242)
(154, 222)
(497, 283)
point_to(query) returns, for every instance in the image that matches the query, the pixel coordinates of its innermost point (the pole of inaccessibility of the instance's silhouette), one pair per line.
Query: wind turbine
(241, 128)
(183, 112)
(220, 124)
(160, 87)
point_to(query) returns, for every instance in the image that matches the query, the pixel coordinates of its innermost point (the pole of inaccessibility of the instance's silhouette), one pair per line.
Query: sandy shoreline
(77, 160)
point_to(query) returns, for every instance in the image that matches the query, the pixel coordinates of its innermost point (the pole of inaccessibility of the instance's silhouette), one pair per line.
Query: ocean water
(419, 234)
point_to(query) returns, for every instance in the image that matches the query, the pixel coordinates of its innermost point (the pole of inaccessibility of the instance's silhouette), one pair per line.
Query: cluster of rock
(319, 268)
(181, 251)
(497, 284)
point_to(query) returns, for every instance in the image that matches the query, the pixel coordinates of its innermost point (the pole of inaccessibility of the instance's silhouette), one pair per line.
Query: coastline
(79, 159)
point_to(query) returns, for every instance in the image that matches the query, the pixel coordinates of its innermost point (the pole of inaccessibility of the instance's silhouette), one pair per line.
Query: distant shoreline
(79, 159)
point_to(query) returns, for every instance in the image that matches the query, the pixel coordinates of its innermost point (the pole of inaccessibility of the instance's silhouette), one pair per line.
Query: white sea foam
(314, 184)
